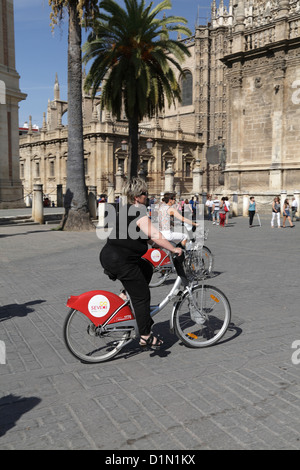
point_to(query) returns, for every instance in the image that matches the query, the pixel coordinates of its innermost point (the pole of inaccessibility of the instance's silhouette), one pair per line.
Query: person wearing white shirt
(216, 208)
(209, 205)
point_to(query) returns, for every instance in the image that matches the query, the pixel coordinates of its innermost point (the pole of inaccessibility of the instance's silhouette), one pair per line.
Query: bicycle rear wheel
(204, 321)
(88, 343)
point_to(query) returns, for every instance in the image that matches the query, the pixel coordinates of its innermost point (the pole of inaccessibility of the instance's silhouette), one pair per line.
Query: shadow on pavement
(12, 407)
(2, 235)
(163, 329)
(17, 310)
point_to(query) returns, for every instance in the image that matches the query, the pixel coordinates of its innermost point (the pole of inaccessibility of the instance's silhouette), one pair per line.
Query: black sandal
(149, 342)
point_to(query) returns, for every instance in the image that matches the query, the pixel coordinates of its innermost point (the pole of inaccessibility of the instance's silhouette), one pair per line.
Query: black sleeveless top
(126, 237)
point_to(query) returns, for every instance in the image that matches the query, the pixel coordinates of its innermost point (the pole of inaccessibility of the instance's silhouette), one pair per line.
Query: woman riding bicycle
(166, 214)
(121, 256)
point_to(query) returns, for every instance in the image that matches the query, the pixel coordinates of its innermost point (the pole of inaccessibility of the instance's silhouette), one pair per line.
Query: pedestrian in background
(227, 204)
(287, 214)
(276, 212)
(294, 208)
(215, 210)
(209, 205)
(251, 210)
(222, 212)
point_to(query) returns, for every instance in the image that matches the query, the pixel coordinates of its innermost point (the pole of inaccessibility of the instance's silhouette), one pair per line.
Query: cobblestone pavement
(243, 393)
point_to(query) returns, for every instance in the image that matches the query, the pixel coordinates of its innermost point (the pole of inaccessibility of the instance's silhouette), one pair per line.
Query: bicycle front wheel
(160, 275)
(87, 342)
(207, 260)
(203, 321)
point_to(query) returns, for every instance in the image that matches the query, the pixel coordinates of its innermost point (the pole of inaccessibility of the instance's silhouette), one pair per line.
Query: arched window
(187, 89)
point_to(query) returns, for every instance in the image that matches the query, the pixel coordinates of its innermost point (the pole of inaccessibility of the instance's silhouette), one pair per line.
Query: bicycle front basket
(194, 265)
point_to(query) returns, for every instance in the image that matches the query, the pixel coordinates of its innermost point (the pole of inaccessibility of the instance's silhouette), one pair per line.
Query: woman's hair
(134, 188)
(286, 201)
(276, 197)
(167, 197)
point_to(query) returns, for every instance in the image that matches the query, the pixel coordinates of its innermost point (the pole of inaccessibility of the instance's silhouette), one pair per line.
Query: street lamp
(124, 146)
(149, 144)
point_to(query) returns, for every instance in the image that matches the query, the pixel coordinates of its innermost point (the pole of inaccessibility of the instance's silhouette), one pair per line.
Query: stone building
(169, 157)
(262, 63)
(11, 190)
(241, 105)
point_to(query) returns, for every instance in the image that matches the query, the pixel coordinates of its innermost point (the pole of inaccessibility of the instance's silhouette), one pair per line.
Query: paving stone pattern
(243, 393)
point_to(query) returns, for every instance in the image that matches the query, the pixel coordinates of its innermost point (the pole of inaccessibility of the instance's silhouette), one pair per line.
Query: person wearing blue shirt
(251, 210)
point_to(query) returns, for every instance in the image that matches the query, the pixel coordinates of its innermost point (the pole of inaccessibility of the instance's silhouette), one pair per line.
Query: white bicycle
(100, 323)
(163, 266)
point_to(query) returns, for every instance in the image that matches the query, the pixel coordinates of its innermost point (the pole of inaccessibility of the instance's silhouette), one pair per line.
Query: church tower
(11, 190)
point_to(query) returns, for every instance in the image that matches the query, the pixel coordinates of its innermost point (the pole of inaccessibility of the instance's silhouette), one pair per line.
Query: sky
(41, 53)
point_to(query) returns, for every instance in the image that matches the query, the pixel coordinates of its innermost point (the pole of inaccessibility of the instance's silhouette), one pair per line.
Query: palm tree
(134, 62)
(77, 215)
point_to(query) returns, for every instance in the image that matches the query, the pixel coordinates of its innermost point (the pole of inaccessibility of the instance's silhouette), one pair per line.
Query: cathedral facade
(236, 131)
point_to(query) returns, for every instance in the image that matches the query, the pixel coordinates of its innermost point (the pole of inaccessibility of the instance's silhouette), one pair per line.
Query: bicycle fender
(156, 257)
(99, 305)
(172, 327)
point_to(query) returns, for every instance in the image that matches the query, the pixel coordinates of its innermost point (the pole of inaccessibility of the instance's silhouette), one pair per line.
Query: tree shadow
(17, 310)
(12, 407)
(3, 235)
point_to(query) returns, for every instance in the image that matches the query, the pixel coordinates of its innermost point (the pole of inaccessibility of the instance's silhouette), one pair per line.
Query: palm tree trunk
(133, 147)
(77, 215)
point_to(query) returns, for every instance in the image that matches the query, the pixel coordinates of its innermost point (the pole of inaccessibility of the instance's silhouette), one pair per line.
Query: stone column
(119, 180)
(297, 197)
(169, 177)
(275, 180)
(234, 205)
(37, 205)
(59, 196)
(197, 178)
(92, 201)
(101, 214)
(245, 204)
(110, 193)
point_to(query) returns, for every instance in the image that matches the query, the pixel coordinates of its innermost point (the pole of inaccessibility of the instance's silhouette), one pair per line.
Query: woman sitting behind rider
(121, 256)
(166, 214)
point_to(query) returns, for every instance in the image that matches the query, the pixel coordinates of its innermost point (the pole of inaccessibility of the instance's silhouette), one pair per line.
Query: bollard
(37, 206)
(59, 196)
(245, 204)
(101, 215)
(234, 206)
(92, 201)
(110, 193)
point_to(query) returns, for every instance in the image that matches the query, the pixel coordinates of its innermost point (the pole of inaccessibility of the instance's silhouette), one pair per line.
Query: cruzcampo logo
(2, 353)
